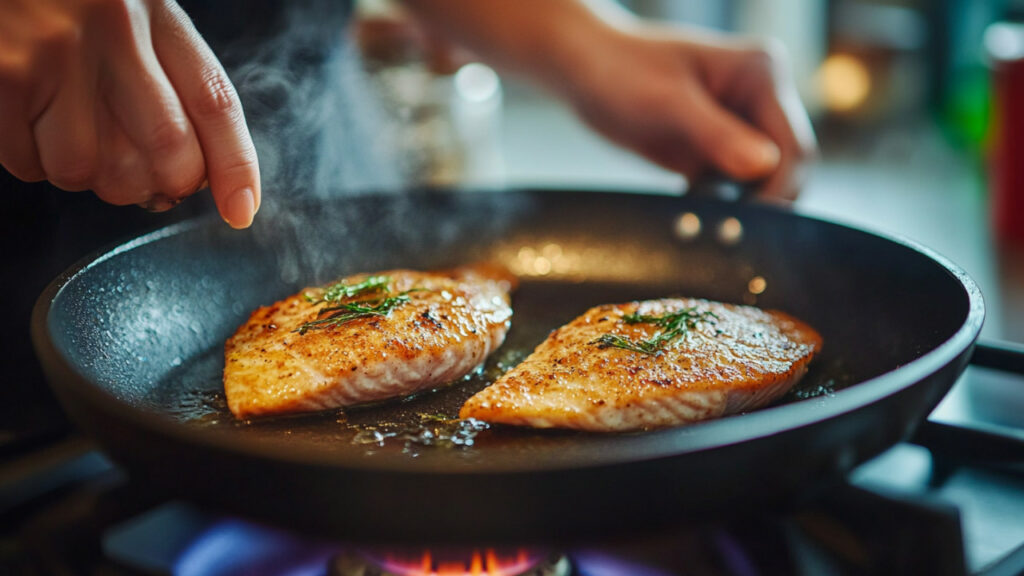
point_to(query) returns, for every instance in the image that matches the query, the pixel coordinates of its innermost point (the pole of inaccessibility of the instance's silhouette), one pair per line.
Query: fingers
(148, 110)
(124, 176)
(65, 133)
(777, 111)
(26, 48)
(670, 154)
(18, 149)
(727, 142)
(87, 104)
(212, 104)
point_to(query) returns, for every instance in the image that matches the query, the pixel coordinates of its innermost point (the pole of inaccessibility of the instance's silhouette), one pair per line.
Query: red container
(1004, 43)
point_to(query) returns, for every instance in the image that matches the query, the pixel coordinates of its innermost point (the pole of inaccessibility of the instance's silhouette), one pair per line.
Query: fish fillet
(731, 359)
(449, 324)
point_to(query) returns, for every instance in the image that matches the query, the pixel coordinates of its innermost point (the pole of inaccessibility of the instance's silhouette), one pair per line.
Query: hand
(694, 103)
(122, 97)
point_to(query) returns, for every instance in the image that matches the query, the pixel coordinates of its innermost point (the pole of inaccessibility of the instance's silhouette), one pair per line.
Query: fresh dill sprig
(615, 341)
(341, 290)
(673, 324)
(349, 311)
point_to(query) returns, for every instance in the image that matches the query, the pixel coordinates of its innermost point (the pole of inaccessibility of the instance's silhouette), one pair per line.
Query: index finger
(213, 106)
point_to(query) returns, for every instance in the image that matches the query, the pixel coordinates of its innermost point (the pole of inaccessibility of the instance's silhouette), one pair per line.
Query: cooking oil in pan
(193, 392)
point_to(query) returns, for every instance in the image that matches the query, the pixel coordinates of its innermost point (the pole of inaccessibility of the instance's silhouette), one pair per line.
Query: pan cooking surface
(145, 324)
(132, 343)
(425, 423)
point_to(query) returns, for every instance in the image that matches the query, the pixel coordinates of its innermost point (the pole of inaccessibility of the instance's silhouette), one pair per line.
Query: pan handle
(718, 186)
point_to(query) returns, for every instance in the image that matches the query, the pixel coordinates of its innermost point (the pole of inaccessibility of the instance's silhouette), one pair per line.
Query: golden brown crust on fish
(450, 323)
(731, 359)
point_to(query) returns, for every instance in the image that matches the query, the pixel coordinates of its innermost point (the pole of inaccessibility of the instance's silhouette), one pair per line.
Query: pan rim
(641, 447)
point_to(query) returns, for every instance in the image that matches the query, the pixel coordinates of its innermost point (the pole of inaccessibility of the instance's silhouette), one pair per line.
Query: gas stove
(949, 502)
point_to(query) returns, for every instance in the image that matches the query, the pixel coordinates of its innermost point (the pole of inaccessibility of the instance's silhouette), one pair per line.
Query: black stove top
(949, 503)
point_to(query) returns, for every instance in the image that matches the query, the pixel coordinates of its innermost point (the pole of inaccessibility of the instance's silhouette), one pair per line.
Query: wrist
(566, 64)
(565, 54)
(557, 43)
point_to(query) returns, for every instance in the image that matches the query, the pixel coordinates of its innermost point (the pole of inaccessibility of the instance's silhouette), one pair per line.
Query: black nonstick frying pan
(132, 342)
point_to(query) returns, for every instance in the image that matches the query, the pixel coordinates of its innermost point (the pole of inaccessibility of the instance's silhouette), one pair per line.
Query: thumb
(733, 146)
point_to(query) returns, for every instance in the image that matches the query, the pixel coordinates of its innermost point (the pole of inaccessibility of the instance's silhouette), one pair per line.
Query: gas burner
(450, 562)
(898, 513)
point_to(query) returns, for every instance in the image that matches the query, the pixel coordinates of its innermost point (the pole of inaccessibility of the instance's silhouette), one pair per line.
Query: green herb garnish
(342, 312)
(349, 311)
(342, 290)
(674, 325)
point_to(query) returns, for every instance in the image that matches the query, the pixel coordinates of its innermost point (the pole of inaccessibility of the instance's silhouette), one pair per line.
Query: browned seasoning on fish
(366, 338)
(620, 367)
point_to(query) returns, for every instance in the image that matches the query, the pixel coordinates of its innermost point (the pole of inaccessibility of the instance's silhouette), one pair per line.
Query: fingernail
(239, 209)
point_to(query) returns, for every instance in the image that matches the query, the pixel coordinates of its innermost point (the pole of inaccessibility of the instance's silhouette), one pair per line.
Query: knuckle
(59, 37)
(116, 195)
(217, 95)
(117, 182)
(116, 168)
(168, 136)
(115, 189)
(72, 175)
(178, 182)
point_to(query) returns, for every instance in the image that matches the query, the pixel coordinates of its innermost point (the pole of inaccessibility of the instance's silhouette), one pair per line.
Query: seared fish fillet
(436, 328)
(727, 359)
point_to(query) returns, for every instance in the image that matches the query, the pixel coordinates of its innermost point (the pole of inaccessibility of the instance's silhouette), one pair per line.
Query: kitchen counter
(908, 183)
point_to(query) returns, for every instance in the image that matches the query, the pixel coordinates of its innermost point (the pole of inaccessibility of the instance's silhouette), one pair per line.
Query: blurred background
(918, 106)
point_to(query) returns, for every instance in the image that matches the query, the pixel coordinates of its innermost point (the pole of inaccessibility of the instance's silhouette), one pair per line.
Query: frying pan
(132, 339)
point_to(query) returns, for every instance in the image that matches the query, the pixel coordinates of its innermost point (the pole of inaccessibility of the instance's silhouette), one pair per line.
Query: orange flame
(487, 563)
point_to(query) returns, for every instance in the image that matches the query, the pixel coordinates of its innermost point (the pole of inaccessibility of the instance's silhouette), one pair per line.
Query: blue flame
(237, 548)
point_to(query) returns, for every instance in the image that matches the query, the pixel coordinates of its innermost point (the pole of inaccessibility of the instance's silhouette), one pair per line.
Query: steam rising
(315, 122)
(318, 130)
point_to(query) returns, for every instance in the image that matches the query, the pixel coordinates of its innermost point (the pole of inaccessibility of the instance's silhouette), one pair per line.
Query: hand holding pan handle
(716, 185)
